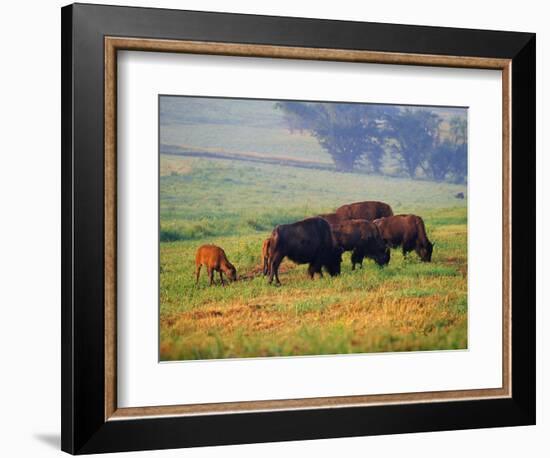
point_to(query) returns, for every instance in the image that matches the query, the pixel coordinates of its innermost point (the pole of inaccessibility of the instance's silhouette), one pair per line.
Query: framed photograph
(282, 228)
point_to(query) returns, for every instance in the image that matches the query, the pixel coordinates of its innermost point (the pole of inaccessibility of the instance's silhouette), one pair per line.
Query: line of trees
(364, 135)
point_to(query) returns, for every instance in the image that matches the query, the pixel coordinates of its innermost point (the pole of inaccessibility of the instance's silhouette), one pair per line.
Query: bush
(170, 235)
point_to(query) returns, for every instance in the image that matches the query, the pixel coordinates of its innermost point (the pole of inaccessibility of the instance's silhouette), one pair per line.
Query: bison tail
(274, 242)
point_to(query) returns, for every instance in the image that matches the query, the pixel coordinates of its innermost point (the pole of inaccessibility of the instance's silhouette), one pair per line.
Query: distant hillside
(251, 129)
(194, 110)
(253, 113)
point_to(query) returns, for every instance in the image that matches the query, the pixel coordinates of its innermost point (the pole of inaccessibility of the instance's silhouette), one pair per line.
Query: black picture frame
(84, 429)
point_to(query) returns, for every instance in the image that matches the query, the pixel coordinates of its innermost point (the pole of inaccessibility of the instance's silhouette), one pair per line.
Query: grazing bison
(407, 231)
(332, 218)
(307, 241)
(214, 258)
(369, 210)
(364, 239)
(459, 195)
(265, 255)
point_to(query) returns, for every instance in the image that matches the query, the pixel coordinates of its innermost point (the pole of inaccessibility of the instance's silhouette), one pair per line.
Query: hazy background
(418, 142)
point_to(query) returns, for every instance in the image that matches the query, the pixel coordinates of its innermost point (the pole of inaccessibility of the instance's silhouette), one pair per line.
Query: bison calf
(214, 259)
(307, 241)
(407, 231)
(364, 239)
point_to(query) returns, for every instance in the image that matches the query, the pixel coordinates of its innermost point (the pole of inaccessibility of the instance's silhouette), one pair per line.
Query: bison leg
(211, 275)
(319, 270)
(275, 262)
(197, 273)
(311, 271)
(409, 245)
(357, 257)
(221, 278)
(315, 267)
(417, 250)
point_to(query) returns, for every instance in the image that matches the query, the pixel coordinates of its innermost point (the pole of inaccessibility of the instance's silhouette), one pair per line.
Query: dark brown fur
(308, 241)
(215, 260)
(408, 232)
(364, 239)
(369, 210)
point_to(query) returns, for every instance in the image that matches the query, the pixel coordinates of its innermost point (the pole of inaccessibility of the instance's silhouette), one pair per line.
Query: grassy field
(407, 305)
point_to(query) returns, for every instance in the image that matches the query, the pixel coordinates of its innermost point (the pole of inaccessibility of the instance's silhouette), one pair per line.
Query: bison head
(334, 261)
(380, 251)
(383, 257)
(425, 251)
(231, 272)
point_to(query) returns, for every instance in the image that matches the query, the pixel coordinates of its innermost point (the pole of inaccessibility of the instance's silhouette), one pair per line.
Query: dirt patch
(459, 264)
(201, 314)
(258, 271)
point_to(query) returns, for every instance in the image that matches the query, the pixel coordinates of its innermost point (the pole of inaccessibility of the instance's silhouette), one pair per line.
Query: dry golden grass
(348, 314)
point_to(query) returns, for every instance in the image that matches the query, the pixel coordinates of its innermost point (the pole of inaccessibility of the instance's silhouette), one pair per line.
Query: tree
(353, 133)
(448, 158)
(459, 136)
(441, 159)
(348, 132)
(459, 131)
(415, 134)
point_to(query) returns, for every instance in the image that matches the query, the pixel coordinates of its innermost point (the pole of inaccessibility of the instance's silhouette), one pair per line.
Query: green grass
(222, 197)
(407, 305)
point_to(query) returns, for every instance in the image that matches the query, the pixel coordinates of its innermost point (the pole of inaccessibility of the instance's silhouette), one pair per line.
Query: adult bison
(407, 231)
(364, 240)
(332, 218)
(307, 241)
(369, 210)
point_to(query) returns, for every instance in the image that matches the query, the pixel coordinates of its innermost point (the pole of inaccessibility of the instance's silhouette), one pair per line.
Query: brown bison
(364, 240)
(407, 231)
(369, 210)
(307, 241)
(265, 255)
(332, 218)
(214, 258)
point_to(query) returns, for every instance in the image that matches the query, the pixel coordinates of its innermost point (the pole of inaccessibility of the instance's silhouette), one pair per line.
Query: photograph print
(294, 228)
